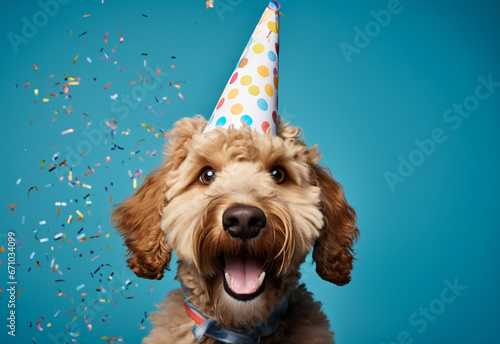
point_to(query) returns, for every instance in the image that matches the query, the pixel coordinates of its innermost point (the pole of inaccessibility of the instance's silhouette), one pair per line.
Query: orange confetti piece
(105, 38)
(36, 68)
(86, 15)
(107, 86)
(158, 71)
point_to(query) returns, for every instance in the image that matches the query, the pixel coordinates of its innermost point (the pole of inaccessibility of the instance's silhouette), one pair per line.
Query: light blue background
(439, 224)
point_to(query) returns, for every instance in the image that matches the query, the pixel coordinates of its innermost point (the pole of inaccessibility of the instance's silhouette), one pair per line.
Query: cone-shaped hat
(251, 94)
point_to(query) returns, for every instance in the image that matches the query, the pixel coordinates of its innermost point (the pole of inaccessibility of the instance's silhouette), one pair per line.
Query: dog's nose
(244, 222)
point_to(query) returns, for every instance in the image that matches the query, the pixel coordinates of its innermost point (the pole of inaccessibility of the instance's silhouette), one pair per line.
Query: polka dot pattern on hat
(251, 94)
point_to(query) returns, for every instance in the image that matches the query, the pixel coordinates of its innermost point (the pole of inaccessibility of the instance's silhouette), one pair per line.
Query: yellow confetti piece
(73, 83)
(36, 91)
(70, 176)
(87, 186)
(102, 300)
(135, 182)
(107, 236)
(104, 337)
(111, 199)
(49, 325)
(69, 219)
(45, 100)
(74, 318)
(109, 247)
(20, 291)
(143, 327)
(43, 163)
(74, 61)
(88, 211)
(79, 213)
(157, 134)
(145, 125)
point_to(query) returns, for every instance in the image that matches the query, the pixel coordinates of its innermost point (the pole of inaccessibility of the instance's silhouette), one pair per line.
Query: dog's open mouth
(244, 275)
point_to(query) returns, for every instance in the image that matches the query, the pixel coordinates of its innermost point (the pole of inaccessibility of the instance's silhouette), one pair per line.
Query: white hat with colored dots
(251, 94)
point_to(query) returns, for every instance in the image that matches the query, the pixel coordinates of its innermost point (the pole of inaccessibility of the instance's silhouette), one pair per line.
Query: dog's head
(241, 210)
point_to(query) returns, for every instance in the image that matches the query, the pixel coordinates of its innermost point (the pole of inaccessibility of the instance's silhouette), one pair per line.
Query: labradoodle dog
(241, 210)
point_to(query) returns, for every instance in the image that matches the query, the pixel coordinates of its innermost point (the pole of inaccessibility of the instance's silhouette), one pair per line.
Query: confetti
(105, 38)
(67, 131)
(76, 57)
(106, 87)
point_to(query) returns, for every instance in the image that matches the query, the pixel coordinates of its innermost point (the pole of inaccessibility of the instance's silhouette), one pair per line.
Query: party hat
(251, 94)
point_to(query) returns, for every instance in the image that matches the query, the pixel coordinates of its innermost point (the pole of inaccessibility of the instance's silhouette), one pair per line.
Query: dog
(241, 210)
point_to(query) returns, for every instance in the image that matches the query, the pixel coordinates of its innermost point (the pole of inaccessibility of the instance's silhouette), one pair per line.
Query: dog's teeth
(261, 278)
(228, 279)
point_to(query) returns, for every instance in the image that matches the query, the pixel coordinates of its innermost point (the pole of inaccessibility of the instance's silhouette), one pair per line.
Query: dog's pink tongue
(244, 272)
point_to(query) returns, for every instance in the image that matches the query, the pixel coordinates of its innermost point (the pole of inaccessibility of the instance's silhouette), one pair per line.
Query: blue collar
(209, 327)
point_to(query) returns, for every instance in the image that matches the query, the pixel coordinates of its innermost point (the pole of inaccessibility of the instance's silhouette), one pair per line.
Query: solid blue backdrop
(403, 99)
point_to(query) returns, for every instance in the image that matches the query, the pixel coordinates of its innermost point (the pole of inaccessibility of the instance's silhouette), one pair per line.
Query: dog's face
(241, 210)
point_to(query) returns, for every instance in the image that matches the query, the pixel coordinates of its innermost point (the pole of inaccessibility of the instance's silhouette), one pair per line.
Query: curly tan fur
(172, 210)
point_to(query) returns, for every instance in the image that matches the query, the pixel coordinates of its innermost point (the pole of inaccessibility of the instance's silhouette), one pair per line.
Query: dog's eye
(207, 176)
(278, 174)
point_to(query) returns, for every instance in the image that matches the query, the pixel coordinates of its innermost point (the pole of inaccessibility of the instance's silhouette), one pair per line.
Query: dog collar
(209, 327)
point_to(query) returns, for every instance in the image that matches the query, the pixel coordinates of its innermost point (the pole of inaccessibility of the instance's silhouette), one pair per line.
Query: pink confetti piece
(108, 159)
(130, 173)
(110, 125)
(172, 66)
(27, 85)
(138, 172)
(151, 108)
(153, 152)
(67, 131)
(132, 83)
(180, 95)
(95, 258)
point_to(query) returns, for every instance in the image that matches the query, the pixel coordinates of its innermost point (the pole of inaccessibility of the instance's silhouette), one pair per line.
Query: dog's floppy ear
(138, 218)
(333, 252)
